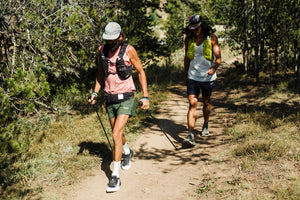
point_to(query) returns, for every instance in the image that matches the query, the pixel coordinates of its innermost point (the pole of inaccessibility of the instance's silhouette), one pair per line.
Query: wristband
(185, 73)
(145, 98)
(95, 94)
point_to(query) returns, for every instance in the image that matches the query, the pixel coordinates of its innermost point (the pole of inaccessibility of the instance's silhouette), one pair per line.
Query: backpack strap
(105, 50)
(122, 50)
(104, 60)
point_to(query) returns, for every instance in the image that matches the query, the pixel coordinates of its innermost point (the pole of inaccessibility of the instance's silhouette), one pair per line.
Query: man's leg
(191, 118)
(206, 114)
(118, 126)
(192, 115)
(206, 108)
(206, 88)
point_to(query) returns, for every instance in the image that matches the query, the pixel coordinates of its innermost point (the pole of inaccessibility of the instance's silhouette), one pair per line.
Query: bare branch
(44, 105)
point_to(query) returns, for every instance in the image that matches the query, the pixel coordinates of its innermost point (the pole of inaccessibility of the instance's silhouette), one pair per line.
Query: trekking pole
(95, 108)
(156, 121)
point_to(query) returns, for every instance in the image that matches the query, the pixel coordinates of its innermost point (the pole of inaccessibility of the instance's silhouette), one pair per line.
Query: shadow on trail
(176, 158)
(198, 153)
(246, 96)
(225, 107)
(205, 146)
(102, 151)
(246, 103)
(170, 128)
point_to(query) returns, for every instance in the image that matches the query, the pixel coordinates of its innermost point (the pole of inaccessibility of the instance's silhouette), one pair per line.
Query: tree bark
(246, 49)
(256, 66)
(297, 66)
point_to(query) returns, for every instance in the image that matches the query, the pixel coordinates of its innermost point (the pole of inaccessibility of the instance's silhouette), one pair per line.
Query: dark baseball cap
(195, 22)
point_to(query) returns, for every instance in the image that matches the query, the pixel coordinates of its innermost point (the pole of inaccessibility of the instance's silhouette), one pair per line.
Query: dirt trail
(158, 172)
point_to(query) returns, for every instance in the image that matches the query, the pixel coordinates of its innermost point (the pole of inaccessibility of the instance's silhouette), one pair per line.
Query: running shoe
(126, 160)
(114, 184)
(205, 132)
(189, 140)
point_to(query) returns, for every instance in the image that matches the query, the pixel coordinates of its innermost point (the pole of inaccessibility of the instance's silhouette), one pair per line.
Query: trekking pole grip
(94, 106)
(140, 103)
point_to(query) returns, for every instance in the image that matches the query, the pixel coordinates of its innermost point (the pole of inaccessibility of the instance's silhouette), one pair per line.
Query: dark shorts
(194, 88)
(127, 107)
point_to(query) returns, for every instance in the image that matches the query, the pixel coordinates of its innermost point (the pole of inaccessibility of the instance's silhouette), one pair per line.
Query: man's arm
(186, 60)
(217, 54)
(134, 59)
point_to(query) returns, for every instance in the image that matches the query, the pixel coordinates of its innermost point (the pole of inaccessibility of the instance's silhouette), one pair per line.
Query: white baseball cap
(112, 31)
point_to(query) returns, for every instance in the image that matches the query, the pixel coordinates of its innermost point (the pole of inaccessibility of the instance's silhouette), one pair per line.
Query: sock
(116, 170)
(126, 149)
(205, 125)
(190, 132)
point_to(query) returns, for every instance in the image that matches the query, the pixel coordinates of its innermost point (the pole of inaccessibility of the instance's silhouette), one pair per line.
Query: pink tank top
(113, 84)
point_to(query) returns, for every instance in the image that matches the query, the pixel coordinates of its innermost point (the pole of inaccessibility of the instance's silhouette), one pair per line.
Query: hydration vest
(123, 71)
(207, 49)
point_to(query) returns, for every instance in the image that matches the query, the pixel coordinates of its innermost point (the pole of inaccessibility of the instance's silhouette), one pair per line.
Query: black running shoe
(189, 140)
(126, 160)
(114, 184)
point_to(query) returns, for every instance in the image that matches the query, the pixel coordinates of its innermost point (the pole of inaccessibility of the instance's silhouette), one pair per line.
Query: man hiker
(202, 58)
(116, 59)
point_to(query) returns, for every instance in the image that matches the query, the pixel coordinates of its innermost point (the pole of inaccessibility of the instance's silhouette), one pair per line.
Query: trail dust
(158, 171)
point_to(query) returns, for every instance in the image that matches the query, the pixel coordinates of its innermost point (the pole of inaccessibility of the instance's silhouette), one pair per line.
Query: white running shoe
(205, 132)
(114, 184)
(126, 160)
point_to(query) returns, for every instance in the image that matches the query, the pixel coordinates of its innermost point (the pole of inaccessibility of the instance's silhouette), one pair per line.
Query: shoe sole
(188, 142)
(111, 190)
(127, 166)
(205, 132)
(115, 189)
(205, 135)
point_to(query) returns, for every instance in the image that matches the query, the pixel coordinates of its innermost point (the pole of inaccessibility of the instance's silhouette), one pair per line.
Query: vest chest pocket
(123, 71)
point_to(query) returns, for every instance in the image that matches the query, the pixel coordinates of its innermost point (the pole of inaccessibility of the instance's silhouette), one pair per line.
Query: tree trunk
(297, 66)
(297, 60)
(184, 25)
(262, 54)
(246, 50)
(261, 39)
(298, 77)
(256, 66)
